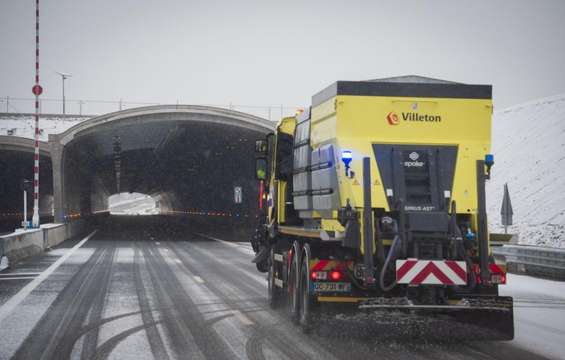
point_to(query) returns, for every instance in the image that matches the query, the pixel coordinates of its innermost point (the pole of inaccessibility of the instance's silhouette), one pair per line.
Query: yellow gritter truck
(375, 197)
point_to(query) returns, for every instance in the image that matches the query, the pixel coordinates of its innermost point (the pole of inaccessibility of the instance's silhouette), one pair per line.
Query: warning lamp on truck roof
(489, 159)
(346, 157)
(489, 162)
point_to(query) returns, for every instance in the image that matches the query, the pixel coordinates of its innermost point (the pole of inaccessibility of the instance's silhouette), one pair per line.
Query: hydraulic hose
(468, 261)
(471, 276)
(461, 248)
(389, 256)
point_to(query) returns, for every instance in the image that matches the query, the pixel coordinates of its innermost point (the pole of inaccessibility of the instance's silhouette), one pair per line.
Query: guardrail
(533, 260)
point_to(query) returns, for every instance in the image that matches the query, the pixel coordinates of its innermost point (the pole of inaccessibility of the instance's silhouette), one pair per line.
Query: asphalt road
(138, 292)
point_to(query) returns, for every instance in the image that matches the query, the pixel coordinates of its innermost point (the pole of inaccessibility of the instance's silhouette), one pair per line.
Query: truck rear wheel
(274, 293)
(307, 311)
(293, 289)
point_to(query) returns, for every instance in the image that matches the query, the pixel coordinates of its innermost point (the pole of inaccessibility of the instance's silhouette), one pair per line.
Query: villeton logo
(392, 118)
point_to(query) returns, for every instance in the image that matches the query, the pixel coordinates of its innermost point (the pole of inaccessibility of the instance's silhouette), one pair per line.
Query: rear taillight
(498, 278)
(335, 275)
(497, 274)
(319, 275)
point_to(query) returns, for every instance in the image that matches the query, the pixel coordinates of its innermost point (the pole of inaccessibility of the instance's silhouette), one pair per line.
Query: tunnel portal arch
(160, 113)
(168, 134)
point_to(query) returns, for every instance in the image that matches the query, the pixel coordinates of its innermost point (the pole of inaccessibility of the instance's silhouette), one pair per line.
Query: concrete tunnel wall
(189, 157)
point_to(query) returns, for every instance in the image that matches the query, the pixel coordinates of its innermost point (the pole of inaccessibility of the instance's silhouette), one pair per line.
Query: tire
(307, 312)
(293, 300)
(263, 265)
(274, 294)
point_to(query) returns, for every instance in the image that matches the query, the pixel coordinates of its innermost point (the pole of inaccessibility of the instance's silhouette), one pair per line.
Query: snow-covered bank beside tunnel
(23, 125)
(529, 151)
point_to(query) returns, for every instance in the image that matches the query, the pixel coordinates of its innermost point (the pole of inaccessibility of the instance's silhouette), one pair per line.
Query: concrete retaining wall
(21, 245)
(17, 246)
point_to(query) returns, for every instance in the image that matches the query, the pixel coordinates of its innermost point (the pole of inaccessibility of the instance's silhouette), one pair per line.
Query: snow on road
(539, 314)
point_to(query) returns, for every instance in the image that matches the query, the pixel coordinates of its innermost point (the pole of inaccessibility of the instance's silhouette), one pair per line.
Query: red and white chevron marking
(431, 272)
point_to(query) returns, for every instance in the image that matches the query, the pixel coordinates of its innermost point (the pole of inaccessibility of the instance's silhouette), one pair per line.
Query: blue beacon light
(346, 157)
(489, 159)
(489, 162)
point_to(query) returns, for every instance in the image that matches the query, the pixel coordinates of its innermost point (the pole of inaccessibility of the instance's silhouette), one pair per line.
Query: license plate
(332, 287)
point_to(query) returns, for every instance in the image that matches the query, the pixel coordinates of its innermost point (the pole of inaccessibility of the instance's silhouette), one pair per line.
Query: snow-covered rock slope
(529, 154)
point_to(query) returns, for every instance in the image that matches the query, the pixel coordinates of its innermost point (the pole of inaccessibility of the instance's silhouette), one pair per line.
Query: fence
(97, 107)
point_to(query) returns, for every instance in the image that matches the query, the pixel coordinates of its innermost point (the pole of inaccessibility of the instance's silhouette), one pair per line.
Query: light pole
(63, 78)
(27, 185)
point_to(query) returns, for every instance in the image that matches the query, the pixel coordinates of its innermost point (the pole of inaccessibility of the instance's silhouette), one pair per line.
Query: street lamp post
(63, 78)
(27, 185)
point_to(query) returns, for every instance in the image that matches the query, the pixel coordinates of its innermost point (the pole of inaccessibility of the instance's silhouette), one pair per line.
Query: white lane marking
(198, 279)
(241, 248)
(16, 278)
(244, 319)
(16, 300)
(20, 274)
(219, 240)
(246, 251)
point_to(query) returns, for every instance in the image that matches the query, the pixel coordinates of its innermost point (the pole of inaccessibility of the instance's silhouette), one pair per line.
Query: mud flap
(260, 259)
(261, 255)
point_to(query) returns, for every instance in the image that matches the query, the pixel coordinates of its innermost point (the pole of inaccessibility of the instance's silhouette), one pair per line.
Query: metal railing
(533, 260)
(10, 104)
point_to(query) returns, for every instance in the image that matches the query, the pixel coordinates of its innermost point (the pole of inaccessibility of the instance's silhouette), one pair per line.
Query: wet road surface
(140, 292)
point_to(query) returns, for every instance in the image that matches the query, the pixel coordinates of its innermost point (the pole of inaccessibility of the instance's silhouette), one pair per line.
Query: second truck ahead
(375, 196)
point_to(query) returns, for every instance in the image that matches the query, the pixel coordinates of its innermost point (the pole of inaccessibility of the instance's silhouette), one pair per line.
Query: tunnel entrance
(192, 161)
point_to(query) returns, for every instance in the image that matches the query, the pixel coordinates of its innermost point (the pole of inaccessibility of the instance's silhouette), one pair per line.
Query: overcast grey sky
(278, 52)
